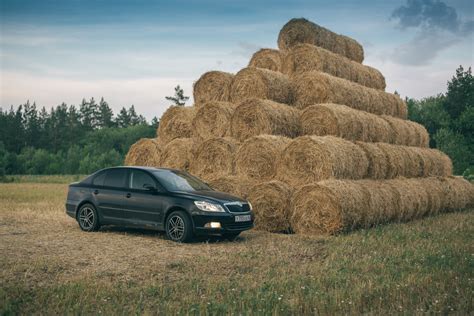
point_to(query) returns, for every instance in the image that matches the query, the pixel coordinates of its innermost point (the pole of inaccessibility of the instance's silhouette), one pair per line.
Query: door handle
(96, 192)
(128, 195)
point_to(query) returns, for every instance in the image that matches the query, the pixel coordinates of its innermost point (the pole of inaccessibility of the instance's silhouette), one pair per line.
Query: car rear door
(109, 194)
(143, 206)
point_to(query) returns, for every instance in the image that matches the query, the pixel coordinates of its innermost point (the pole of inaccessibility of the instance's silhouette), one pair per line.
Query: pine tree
(179, 98)
(123, 118)
(105, 114)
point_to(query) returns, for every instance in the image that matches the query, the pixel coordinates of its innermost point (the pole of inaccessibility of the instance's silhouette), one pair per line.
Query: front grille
(238, 226)
(236, 208)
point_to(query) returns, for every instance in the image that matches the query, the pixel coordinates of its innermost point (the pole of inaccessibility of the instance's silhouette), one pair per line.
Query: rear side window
(138, 179)
(99, 179)
(115, 178)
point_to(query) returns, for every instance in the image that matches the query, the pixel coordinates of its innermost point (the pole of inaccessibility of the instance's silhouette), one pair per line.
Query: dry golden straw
(267, 58)
(256, 116)
(333, 206)
(257, 156)
(309, 159)
(215, 157)
(213, 120)
(261, 83)
(145, 152)
(271, 204)
(179, 153)
(298, 31)
(212, 86)
(406, 132)
(176, 122)
(345, 122)
(315, 87)
(306, 57)
(405, 161)
(235, 185)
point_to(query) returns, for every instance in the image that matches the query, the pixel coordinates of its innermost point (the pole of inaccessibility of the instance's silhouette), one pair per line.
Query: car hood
(211, 195)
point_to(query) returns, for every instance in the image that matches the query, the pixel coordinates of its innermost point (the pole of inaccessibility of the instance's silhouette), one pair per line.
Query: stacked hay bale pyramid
(308, 135)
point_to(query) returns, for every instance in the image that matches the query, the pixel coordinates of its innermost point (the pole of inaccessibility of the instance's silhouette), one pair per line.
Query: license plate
(243, 218)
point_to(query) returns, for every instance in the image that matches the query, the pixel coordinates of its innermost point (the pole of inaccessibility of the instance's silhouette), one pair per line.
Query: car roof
(141, 168)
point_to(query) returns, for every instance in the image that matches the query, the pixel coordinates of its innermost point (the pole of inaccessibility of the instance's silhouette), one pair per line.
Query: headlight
(250, 205)
(208, 207)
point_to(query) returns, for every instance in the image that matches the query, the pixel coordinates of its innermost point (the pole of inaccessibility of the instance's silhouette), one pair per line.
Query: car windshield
(174, 180)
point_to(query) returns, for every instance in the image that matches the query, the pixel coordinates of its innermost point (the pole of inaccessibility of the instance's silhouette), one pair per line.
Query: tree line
(68, 139)
(449, 118)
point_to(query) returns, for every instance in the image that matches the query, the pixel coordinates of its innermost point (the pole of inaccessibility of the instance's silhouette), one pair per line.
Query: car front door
(143, 204)
(109, 193)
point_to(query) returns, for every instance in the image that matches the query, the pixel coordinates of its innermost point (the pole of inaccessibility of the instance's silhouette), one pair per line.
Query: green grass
(51, 267)
(42, 178)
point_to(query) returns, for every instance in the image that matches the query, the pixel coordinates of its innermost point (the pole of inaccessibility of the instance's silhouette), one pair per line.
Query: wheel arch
(85, 202)
(174, 209)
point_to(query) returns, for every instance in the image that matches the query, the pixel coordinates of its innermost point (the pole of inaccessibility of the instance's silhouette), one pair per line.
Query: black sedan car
(158, 198)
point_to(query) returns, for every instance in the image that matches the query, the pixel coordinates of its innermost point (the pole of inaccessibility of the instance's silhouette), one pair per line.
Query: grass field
(48, 266)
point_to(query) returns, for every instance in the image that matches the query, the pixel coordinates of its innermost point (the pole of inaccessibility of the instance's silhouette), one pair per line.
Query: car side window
(115, 178)
(139, 180)
(99, 179)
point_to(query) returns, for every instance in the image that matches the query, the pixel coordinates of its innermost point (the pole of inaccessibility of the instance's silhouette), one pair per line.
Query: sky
(136, 52)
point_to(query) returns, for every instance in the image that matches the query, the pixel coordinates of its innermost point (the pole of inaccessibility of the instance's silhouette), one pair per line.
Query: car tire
(231, 236)
(179, 227)
(88, 218)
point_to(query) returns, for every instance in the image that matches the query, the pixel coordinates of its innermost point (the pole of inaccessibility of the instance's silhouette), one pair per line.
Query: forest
(79, 140)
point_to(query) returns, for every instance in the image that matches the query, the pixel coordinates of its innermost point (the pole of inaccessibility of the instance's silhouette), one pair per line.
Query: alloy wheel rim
(86, 218)
(176, 227)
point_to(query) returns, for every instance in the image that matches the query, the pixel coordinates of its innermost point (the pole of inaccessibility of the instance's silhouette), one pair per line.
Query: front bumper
(227, 221)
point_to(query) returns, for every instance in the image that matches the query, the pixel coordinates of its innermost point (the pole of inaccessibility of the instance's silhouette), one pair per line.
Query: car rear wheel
(87, 218)
(179, 227)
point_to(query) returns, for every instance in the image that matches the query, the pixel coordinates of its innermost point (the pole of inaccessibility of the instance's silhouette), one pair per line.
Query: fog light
(213, 225)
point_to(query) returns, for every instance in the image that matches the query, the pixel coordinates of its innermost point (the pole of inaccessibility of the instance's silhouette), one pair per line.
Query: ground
(49, 266)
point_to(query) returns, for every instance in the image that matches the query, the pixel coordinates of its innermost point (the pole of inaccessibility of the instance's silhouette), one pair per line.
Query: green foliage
(179, 98)
(67, 140)
(449, 119)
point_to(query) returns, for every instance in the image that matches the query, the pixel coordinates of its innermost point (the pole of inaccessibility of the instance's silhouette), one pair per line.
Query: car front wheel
(88, 218)
(179, 227)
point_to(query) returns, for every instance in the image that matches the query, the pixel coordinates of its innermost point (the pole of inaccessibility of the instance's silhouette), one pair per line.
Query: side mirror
(149, 187)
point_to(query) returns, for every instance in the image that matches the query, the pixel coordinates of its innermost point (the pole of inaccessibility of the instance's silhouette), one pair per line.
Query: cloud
(245, 49)
(437, 26)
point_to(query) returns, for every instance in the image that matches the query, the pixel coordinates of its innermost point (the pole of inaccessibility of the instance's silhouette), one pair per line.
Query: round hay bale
(309, 159)
(414, 200)
(213, 119)
(215, 157)
(145, 152)
(458, 193)
(261, 83)
(384, 202)
(271, 205)
(303, 31)
(257, 156)
(212, 86)
(267, 58)
(377, 160)
(437, 163)
(256, 116)
(179, 153)
(342, 121)
(434, 189)
(306, 57)
(176, 122)
(407, 133)
(235, 185)
(315, 87)
(329, 207)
